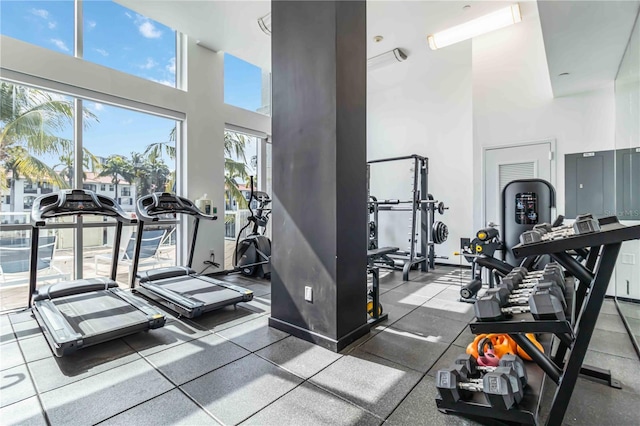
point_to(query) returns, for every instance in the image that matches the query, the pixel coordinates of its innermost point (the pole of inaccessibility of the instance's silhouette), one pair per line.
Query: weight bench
(380, 255)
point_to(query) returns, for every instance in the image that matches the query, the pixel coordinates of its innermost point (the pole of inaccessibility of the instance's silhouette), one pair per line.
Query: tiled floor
(229, 367)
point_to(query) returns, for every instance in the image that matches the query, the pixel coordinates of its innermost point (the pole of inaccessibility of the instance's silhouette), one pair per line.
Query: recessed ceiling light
(466, 7)
(378, 38)
(563, 74)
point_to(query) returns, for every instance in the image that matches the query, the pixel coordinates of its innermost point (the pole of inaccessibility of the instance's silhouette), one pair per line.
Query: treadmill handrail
(150, 207)
(53, 205)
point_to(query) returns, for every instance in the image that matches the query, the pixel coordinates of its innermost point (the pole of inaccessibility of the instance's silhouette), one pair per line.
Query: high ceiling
(585, 38)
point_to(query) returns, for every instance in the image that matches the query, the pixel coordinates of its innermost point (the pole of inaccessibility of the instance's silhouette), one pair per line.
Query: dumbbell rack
(573, 335)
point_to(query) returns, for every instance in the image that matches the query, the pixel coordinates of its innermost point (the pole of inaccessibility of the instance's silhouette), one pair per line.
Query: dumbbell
(521, 296)
(498, 385)
(517, 278)
(552, 287)
(543, 305)
(508, 360)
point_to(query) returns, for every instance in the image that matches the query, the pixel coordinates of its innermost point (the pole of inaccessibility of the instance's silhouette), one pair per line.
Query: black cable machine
(179, 288)
(420, 252)
(81, 313)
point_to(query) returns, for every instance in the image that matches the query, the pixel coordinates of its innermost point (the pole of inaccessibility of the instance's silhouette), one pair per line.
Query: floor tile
(451, 294)
(221, 319)
(419, 408)
(35, 348)
(192, 359)
(26, 413)
(612, 343)
(16, 385)
(27, 328)
(6, 331)
(588, 402)
(171, 408)
(370, 382)
(464, 338)
(610, 323)
(18, 317)
(630, 310)
(624, 369)
(240, 389)
(459, 311)
(259, 304)
(423, 323)
(10, 355)
(409, 349)
(172, 334)
(397, 305)
(253, 335)
(309, 405)
(427, 290)
(53, 372)
(103, 395)
(299, 356)
(609, 307)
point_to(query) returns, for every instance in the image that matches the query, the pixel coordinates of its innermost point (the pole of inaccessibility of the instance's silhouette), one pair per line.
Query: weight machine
(423, 206)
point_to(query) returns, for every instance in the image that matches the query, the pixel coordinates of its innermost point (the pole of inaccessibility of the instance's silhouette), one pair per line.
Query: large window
(246, 85)
(119, 38)
(126, 154)
(48, 24)
(112, 35)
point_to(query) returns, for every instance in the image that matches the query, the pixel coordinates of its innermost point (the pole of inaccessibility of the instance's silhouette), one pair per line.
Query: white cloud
(165, 82)
(52, 24)
(127, 121)
(171, 66)
(59, 44)
(96, 106)
(128, 15)
(42, 13)
(149, 64)
(102, 52)
(148, 30)
(91, 24)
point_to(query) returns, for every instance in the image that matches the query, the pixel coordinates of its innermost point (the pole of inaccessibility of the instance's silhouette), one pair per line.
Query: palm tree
(89, 162)
(31, 120)
(118, 168)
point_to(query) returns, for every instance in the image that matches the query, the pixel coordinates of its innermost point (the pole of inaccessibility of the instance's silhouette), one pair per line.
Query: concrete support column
(319, 216)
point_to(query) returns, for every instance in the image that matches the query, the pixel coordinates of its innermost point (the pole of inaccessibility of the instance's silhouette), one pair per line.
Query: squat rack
(421, 202)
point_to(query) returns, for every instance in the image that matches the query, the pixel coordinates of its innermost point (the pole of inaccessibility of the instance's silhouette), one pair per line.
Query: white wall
(513, 102)
(423, 106)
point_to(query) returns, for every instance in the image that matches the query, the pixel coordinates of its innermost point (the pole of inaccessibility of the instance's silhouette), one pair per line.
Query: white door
(503, 165)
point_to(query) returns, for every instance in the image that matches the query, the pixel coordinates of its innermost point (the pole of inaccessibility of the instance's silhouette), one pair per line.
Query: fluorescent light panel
(391, 57)
(482, 25)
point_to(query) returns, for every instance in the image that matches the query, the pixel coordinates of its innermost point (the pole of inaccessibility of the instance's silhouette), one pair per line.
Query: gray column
(319, 69)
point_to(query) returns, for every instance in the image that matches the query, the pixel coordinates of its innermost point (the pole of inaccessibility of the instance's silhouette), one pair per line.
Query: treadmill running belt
(97, 313)
(200, 290)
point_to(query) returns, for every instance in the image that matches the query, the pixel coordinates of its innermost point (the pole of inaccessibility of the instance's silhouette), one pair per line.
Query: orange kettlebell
(501, 345)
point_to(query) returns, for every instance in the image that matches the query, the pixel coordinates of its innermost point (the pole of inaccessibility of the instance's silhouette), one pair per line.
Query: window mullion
(78, 36)
(78, 182)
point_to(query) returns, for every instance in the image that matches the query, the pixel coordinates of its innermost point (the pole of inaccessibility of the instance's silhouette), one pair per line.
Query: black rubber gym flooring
(229, 367)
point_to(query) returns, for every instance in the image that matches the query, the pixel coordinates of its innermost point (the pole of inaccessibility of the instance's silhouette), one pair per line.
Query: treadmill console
(158, 204)
(75, 202)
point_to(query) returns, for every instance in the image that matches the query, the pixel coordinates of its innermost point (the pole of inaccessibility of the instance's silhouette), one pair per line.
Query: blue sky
(119, 38)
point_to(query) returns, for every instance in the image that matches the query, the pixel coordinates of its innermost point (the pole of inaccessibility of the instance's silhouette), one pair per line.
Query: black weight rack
(585, 295)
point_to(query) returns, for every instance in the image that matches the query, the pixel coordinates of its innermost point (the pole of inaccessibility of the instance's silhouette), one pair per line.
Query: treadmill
(81, 313)
(179, 288)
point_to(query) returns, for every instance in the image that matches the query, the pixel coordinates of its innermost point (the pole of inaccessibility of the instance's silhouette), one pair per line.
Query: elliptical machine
(252, 256)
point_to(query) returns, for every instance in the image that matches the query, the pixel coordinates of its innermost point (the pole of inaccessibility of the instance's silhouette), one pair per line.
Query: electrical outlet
(628, 259)
(308, 294)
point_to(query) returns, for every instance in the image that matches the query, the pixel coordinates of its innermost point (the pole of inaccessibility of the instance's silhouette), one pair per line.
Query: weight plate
(441, 207)
(440, 232)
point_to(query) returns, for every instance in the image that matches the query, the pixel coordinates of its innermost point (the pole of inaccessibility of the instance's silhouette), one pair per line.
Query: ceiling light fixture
(484, 24)
(265, 23)
(391, 57)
